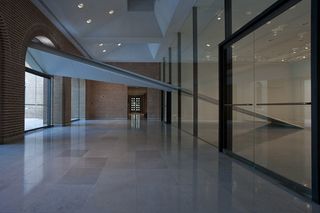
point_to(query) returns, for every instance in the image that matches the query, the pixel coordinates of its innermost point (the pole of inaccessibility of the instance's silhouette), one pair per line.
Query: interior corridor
(118, 166)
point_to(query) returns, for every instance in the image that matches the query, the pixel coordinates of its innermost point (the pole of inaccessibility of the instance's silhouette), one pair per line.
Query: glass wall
(210, 34)
(174, 75)
(37, 105)
(187, 75)
(272, 95)
(75, 99)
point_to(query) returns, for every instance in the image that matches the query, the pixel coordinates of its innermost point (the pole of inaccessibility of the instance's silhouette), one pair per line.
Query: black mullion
(315, 116)
(225, 94)
(195, 71)
(168, 94)
(179, 80)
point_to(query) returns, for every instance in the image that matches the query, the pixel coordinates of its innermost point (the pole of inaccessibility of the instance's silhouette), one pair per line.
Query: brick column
(61, 109)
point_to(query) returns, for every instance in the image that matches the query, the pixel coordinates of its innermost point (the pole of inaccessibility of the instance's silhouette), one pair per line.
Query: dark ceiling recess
(141, 5)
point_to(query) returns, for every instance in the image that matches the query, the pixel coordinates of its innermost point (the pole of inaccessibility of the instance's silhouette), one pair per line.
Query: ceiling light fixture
(80, 5)
(111, 12)
(208, 45)
(119, 44)
(219, 14)
(89, 21)
(304, 57)
(104, 51)
(101, 44)
(294, 50)
(283, 60)
(306, 48)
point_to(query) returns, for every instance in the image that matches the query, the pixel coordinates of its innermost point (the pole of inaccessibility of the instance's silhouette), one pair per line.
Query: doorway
(137, 102)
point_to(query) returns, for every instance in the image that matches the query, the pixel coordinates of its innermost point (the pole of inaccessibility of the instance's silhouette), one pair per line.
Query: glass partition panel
(174, 110)
(174, 74)
(187, 113)
(187, 76)
(37, 107)
(210, 34)
(174, 61)
(283, 93)
(272, 95)
(243, 98)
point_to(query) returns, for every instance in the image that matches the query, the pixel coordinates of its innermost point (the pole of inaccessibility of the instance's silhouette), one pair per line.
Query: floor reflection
(110, 166)
(135, 120)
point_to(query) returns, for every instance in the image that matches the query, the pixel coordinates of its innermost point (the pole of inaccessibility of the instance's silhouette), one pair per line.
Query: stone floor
(125, 167)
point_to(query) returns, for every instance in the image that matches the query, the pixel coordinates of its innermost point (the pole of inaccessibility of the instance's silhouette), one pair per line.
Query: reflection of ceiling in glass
(210, 29)
(245, 10)
(286, 38)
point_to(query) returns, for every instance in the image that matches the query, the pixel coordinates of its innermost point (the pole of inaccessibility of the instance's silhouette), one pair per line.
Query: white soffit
(58, 63)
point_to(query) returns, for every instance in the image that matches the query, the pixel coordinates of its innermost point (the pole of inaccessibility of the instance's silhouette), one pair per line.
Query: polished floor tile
(111, 166)
(81, 176)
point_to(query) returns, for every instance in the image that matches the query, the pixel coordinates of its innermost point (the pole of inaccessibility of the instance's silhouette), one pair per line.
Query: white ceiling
(141, 32)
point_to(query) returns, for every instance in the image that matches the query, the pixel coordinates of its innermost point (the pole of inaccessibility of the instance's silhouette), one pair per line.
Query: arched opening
(38, 89)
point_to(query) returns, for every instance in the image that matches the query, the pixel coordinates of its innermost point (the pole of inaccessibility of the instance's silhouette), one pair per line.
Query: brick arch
(34, 31)
(5, 53)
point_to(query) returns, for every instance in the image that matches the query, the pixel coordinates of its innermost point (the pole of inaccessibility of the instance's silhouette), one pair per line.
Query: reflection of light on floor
(135, 121)
(33, 166)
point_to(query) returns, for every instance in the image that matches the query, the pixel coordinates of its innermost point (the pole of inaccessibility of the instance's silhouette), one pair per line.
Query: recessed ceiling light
(111, 12)
(283, 60)
(89, 21)
(80, 5)
(101, 44)
(104, 51)
(306, 48)
(304, 57)
(294, 50)
(219, 18)
(208, 45)
(119, 44)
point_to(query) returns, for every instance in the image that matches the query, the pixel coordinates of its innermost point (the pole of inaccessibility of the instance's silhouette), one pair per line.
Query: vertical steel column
(179, 80)
(195, 70)
(315, 82)
(225, 84)
(169, 95)
(162, 92)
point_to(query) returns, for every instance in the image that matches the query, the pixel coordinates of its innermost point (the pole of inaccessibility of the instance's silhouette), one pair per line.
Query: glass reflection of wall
(36, 101)
(75, 99)
(187, 76)
(210, 34)
(272, 95)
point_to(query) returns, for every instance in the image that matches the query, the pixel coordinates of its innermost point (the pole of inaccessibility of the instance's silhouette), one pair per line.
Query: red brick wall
(110, 100)
(106, 101)
(20, 22)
